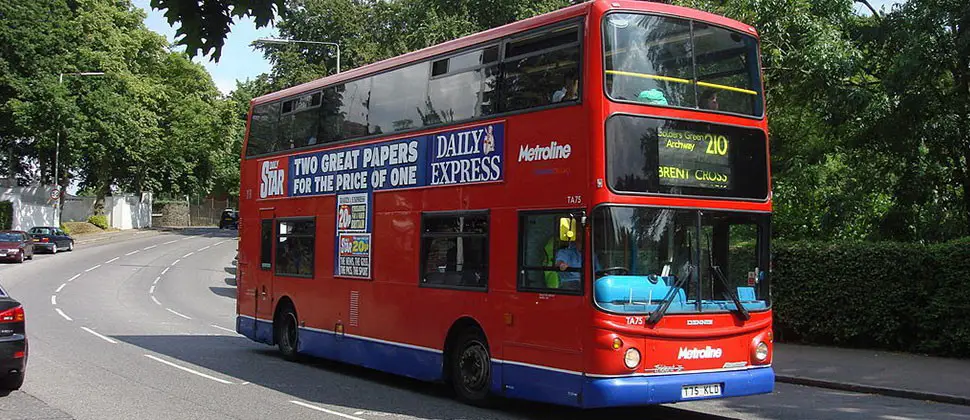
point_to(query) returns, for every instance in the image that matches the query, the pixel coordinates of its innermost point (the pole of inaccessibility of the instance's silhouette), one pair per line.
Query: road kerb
(872, 389)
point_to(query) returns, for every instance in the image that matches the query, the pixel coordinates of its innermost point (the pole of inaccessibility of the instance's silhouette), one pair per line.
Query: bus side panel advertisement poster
(693, 159)
(353, 214)
(466, 156)
(354, 256)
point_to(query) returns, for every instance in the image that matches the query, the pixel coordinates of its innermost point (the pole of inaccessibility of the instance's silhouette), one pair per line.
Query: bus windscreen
(667, 61)
(658, 156)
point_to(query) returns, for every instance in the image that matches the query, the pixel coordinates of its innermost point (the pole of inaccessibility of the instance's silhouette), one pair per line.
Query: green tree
(204, 25)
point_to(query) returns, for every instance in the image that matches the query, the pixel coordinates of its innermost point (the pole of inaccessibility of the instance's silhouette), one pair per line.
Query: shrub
(885, 295)
(66, 229)
(6, 215)
(99, 220)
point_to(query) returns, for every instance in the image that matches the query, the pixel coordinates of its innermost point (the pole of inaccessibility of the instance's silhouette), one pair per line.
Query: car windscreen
(41, 231)
(10, 237)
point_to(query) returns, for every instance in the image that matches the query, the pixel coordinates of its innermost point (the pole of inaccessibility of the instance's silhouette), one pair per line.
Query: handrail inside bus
(679, 80)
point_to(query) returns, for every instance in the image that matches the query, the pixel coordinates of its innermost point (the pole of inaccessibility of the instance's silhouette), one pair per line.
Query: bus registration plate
(698, 391)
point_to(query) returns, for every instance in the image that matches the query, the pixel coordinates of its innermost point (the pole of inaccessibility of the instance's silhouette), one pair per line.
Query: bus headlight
(761, 352)
(631, 358)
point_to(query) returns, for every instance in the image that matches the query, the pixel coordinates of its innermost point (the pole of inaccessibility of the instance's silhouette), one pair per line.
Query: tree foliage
(153, 121)
(204, 25)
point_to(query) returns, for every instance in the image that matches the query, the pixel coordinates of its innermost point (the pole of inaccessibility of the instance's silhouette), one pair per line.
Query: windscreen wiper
(742, 311)
(655, 316)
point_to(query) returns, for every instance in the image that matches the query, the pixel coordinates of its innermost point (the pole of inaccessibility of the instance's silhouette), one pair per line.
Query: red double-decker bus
(573, 209)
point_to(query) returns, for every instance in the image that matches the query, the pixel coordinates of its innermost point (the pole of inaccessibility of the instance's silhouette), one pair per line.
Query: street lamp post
(57, 146)
(297, 41)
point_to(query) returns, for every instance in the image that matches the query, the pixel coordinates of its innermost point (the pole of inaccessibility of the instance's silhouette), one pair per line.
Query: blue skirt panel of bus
(661, 389)
(515, 380)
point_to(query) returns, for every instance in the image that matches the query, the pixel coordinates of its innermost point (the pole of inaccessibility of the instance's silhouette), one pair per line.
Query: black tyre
(70, 246)
(54, 248)
(287, 333)
(471, 368)
(20, 258)
(12, 382)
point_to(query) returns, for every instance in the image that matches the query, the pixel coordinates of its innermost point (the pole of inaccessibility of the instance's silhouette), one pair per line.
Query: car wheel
(287, 333)
(54, 249)
(12, 382)
(471, 368)
(20, 258)
(70, 246)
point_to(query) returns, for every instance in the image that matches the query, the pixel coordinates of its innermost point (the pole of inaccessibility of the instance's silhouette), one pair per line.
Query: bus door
(263, 275)
(544, 340)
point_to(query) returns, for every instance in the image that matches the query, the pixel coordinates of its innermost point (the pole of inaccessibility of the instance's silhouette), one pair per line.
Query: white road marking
(132, 253)
(171, 242)
(105, 338)
(188, 255)
(186, 238)
(59, 311)
(176, 261)
(176, 313)
(156, 280)
(73, 278)
(203, 248)
(152, 290)
(165, 270)
(219, 243)
(93, 268)
(156, 301)
(185, 369)
(336, 413)
(112, 260)
(54, 300)
(222, 328)
(60, 288)
(148, 247)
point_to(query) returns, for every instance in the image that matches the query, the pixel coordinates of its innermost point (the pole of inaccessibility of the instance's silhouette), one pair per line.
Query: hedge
(99, 220)
(884, 295)
(6, 215)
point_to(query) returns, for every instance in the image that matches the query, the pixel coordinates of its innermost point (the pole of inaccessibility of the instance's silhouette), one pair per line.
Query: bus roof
(503, 31)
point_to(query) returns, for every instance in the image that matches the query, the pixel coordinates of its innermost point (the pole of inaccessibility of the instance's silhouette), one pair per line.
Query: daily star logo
(272, 179)
(552, 151)
(696, 353)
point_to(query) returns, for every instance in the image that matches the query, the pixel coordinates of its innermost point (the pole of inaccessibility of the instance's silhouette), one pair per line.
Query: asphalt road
(143, 329)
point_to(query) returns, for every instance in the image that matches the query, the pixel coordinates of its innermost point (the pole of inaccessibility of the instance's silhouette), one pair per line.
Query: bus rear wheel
(287, 333)
(471, 368)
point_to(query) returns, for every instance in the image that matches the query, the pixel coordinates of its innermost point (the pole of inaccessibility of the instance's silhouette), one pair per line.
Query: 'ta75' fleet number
(634, 320)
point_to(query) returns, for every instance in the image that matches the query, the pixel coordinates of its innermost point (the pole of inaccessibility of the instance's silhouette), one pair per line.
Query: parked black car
(13, 342)
(229, 219)
(16, 245)
(51, 239)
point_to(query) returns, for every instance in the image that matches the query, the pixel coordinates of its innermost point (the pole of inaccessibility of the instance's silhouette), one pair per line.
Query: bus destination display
(693, 159)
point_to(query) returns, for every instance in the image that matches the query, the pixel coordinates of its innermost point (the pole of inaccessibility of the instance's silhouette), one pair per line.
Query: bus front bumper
(662, 389)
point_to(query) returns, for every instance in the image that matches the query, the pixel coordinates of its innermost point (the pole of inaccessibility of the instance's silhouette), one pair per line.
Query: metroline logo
(696, 353)
(551, 152)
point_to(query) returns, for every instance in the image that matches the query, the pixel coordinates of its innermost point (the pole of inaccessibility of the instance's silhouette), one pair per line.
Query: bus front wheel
(471, 368)
(287, 333)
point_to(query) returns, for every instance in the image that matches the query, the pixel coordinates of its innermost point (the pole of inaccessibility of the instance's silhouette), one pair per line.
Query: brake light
(45, 239)
(12, 315)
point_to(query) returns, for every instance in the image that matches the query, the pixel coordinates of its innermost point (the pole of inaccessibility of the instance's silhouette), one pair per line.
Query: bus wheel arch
(286, 328)
(466, 363)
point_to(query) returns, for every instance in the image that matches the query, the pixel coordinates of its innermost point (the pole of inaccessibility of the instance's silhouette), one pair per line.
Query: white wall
(123, 211)
(31, 206)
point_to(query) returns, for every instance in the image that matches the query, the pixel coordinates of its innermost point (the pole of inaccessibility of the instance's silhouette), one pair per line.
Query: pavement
(875, 372)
